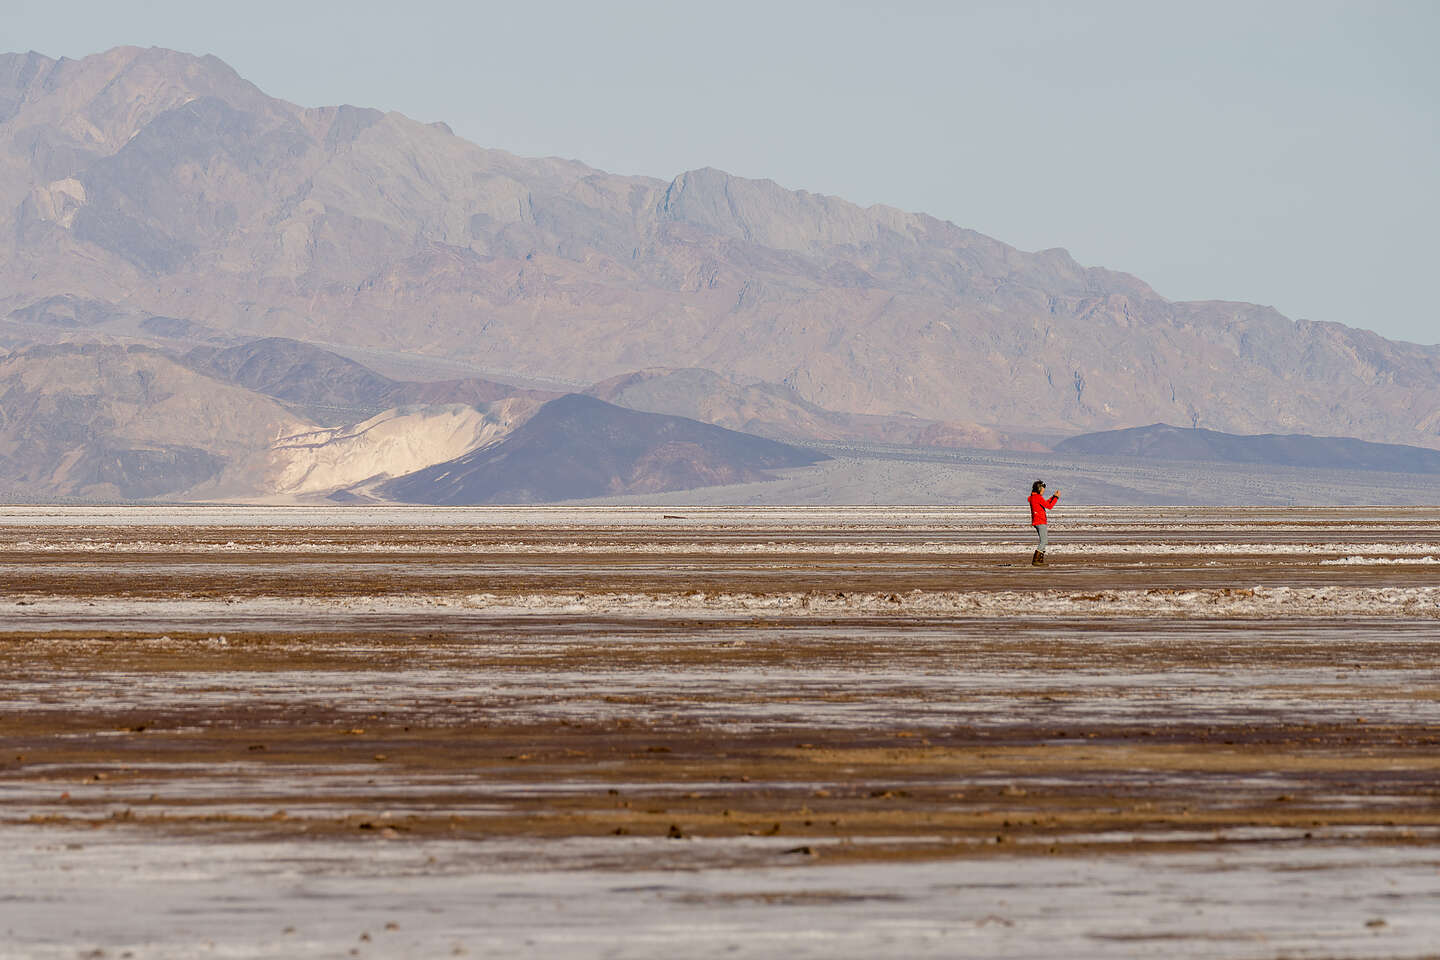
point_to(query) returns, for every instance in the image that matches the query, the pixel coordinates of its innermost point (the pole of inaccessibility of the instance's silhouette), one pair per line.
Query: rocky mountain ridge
(112, 422)
(335, 390)
(167, 184)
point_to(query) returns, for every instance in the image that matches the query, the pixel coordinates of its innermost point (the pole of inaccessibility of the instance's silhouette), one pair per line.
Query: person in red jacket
(1038, 519)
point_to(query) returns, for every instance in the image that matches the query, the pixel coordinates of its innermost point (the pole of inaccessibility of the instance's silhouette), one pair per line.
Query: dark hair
(1035, 487)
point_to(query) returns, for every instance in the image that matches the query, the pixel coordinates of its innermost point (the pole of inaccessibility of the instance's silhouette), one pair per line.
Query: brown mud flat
(920, 793)
(805, 734)
(859, 737)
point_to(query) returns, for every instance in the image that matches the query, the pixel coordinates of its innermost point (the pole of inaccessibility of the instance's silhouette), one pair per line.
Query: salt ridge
(1209, 603)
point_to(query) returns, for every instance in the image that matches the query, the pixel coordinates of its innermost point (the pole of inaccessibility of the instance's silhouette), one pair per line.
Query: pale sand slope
(389, 444)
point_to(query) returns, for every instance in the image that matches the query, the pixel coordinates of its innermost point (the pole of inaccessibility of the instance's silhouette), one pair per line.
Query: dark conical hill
(577, 447)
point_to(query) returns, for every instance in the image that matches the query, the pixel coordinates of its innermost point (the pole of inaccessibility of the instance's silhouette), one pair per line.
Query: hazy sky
(1285, 153)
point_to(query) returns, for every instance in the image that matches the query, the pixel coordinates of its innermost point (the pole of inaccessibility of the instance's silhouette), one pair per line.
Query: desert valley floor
(667, 731)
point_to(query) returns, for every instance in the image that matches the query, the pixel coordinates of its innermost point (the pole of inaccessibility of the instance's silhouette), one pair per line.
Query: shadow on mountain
(329, 388)
(577, 447)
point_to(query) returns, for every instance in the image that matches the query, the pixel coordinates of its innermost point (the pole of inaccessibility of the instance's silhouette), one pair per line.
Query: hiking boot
(1038, 560)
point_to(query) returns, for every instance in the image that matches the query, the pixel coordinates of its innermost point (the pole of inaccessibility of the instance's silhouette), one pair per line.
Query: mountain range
(185, 245)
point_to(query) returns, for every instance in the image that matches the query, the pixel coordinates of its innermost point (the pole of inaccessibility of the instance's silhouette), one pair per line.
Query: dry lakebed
(659, 732)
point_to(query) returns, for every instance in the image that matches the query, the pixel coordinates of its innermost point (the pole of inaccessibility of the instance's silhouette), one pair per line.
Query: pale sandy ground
(169, 899)
(633, 732)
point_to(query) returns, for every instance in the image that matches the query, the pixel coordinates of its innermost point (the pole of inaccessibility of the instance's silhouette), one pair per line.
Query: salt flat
(629, 731)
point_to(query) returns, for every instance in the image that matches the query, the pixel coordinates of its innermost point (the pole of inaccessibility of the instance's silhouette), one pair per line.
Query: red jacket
(1037, 508)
